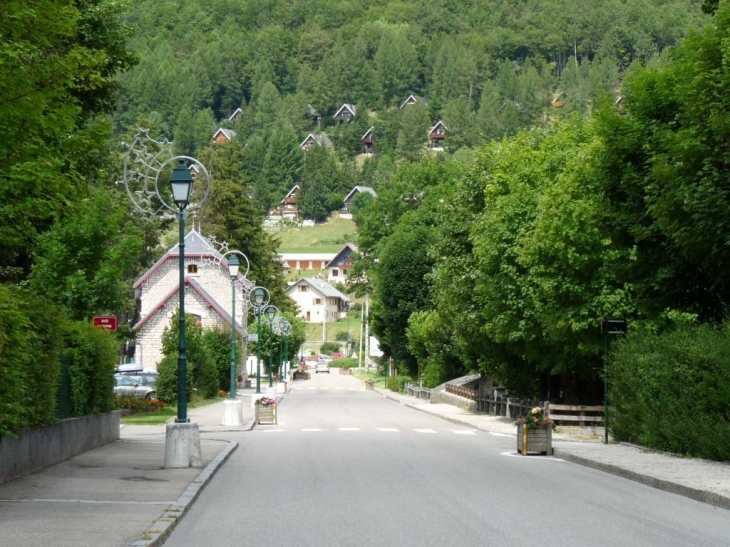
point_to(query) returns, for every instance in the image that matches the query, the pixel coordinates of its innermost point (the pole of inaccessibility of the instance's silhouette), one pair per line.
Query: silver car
(322, 366)
(125, 386)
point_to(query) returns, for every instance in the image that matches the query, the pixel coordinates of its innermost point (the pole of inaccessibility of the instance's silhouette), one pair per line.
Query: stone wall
(39, 447)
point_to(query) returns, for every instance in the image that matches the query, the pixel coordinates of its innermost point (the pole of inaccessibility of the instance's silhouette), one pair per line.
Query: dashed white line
(349, 429)
(388, 429)
(464, 431)
(311, 429)
(424, 431)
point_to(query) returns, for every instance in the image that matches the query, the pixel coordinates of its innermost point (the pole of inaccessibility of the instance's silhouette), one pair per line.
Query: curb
(163, 526)
(671, 487)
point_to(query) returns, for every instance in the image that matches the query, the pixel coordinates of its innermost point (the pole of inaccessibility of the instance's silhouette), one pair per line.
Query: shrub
(167, 380)
(329, 347)
(398, 383)
(131, 405)
(670, 391)
(30, 342)
(217, 343)
(343, 336)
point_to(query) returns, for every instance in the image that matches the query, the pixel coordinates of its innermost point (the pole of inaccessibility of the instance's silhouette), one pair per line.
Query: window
(335, 273)
(303, 288)
(317, 301)
(193, 269)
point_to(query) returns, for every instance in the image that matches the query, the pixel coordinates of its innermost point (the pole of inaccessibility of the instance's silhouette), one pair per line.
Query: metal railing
(415, 390)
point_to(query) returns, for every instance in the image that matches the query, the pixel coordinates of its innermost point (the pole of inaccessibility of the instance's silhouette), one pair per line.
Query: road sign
(613, 326)
(108, 322)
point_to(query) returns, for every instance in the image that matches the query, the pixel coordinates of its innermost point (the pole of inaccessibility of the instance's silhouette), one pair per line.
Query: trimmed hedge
(671, 391)
(30, 344)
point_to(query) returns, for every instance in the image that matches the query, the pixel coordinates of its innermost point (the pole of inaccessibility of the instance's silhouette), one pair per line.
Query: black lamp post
(259, 294)
(271, 312)
(233, 266)
(182, 185)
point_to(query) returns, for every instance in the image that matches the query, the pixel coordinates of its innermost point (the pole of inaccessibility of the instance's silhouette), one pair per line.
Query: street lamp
(233, 266)
(285, 328)
(271, 313)
(258, 296)
(182, 186)
(232, 407)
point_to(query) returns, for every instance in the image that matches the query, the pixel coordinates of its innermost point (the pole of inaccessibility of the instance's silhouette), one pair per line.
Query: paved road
(346, 467)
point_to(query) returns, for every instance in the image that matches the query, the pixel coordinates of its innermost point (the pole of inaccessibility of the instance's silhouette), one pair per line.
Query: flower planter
(265, 414)
(535, 440)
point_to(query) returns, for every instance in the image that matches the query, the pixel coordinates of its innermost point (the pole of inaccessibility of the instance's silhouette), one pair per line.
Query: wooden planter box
(265, 414)
(537, 440)
(344, 370)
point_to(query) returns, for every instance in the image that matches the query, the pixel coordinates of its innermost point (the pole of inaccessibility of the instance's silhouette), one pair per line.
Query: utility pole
(367, 333)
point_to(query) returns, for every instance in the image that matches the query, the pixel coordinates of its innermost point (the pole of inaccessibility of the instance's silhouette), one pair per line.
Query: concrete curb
(686, 491)
(156, 535)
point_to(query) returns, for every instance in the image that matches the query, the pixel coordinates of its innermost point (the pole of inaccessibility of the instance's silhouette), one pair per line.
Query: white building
(208, 295)
(318, 301)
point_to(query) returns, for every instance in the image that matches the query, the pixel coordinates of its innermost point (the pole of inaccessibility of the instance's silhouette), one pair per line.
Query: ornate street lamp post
(182, 185)
(271, 313)
(233, 266)
(259, 298)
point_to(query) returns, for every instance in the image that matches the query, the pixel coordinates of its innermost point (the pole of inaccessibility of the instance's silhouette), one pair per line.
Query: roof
(412, 99)
(192, 283)
(292, 191)
(352, 248)
(227, 133)
(321, 286)
(350, 107)
(367, 133)
(358, 189)
(235, 114)
(436, 126)
(322, 140)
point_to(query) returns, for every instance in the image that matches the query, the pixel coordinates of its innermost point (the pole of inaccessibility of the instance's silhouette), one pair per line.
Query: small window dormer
(192, 269)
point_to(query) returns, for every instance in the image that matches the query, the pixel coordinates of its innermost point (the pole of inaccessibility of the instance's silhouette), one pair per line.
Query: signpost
(108, 322)
(608, 327)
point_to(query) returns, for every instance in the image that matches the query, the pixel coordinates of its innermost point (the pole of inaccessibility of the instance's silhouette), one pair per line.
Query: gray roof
(323, 287)
(195, 244)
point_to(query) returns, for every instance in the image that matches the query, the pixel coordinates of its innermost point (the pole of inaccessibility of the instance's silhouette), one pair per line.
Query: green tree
(397, 67)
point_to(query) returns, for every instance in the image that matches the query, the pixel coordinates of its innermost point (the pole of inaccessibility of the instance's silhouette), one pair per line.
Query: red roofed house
(207, 296)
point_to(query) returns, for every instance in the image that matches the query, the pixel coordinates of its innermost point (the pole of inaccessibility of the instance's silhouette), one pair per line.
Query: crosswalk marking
(388, 429)
(463, 431)
(424, 431)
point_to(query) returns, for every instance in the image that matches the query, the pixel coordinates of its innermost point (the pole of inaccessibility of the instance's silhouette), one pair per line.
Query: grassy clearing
(164, 415)
(328, 237)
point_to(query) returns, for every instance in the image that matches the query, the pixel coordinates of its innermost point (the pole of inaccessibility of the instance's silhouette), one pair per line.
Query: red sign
(108, 322)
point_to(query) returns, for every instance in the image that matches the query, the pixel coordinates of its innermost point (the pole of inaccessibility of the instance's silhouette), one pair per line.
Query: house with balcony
(318, 301)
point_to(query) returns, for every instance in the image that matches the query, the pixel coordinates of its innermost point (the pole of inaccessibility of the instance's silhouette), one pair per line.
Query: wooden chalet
(413, 99)
(222, 136)
(288, 208)
(315, 139)
(436, 136)
(354, 192)
(346, 113)
(235, 115)
(367, 142)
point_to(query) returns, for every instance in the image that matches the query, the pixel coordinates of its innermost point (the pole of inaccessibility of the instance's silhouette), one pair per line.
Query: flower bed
(535, 433)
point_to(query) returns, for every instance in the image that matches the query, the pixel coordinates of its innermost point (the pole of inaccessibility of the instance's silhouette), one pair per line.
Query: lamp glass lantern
(182, 185)
(233, 266)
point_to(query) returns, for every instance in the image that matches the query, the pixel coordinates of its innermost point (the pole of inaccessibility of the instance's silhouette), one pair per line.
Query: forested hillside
(484, 67)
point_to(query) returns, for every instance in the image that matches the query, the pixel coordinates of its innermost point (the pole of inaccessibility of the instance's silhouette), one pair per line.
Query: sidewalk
(702, 480)
(118, 494)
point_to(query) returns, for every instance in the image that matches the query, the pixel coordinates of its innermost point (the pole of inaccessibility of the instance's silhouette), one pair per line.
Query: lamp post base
(232, 412)
(182, 446)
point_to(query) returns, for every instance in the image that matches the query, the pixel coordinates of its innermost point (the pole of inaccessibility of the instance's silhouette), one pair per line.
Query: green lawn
(164, 415)
(328, 237)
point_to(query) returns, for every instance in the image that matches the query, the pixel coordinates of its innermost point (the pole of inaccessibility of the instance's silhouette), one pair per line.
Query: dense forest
(486, 68)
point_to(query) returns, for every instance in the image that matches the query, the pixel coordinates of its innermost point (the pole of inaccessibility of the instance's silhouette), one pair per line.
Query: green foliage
(217, 343)
(167, 381)
(398, 383)
(329, 347)
(30, 344)
(670, 391)
(93, 354)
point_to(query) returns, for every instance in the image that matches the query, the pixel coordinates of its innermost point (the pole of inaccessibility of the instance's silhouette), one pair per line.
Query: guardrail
(420, 392)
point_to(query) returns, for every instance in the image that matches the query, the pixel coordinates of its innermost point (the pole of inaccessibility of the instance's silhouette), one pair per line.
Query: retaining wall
(39, 447)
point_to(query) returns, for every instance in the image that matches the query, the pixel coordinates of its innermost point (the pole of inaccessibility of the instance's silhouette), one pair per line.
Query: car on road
(322, 366)
(126, 386)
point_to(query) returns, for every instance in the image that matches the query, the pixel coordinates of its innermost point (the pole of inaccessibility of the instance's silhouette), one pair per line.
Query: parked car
(126, 386)
(322, 366)
(144, 378)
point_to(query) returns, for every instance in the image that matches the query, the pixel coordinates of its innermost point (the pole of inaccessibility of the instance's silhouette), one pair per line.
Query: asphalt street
(345, 466)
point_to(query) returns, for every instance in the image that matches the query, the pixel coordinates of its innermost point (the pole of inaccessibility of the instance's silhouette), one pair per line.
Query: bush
(343, 363)
(670, 391)
(131, 405)
(167, 380)
(398, 383)
(30, 343)
(343, 336)
(93, 354)
(329, 347)
(217, 344)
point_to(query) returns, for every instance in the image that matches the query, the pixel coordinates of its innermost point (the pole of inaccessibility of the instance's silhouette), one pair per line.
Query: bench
(576, 415)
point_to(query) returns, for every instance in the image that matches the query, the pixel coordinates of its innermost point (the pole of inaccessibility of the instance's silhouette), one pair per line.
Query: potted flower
(535, 433)
(266, 410)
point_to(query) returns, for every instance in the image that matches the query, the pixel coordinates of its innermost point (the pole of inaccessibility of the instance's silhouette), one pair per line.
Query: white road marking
(272, 430)
(312, 388)
(349, 429)
(424, 431)
(350, 389)
(388, 429)
(464, 431)
(324, 388)
(500, 434)
(311, 429)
